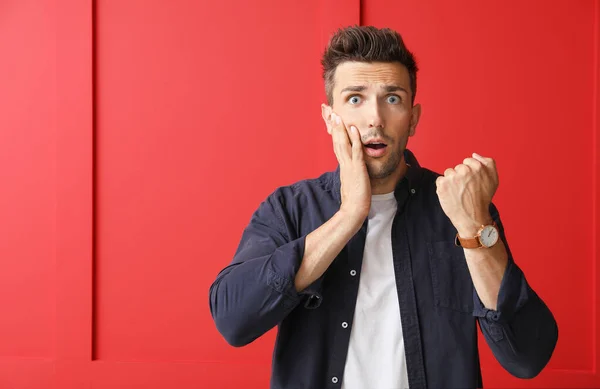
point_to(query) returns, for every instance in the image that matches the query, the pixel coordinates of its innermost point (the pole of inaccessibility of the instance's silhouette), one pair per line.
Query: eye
(354, 100)
(393, 99)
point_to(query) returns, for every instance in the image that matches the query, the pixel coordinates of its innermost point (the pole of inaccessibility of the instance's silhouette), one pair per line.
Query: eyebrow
(360, 88)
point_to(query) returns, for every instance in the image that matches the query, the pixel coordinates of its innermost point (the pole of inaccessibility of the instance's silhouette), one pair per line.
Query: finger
(439, 181)
(330, 123)
(449, 172)
(479, 157)
(462, 169)
(341, 138)
(486, 161)
(336, 148)
(341, 141)
(473, 163)
(341, 153)
(440, 185)
(338, 154)
(357, 146)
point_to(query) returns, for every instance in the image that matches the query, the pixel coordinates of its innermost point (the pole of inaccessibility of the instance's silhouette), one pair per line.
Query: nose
(374, 116)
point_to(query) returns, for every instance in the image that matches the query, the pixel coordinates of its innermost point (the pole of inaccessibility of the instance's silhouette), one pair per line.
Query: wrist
(352, 219)
(468, 228)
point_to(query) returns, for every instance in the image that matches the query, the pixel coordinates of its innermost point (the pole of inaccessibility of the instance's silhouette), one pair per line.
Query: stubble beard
(380, 170)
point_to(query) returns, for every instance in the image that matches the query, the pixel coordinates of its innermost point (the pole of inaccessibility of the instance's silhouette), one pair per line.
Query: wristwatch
(487, 236)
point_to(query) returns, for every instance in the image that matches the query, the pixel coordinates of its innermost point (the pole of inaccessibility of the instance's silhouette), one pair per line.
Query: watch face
(489, 236)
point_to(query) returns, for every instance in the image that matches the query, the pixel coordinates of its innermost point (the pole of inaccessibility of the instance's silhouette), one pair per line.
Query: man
(376, 274)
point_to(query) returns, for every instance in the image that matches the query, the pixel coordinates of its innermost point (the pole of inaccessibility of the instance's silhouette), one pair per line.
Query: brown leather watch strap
(467, 243)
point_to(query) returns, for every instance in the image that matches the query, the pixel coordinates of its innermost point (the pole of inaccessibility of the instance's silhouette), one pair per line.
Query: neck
(388, 184)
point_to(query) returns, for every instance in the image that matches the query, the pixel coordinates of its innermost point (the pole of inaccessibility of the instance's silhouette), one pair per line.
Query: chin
(380, 169)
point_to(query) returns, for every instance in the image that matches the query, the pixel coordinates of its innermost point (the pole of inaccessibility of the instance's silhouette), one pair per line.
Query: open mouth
(375, 149)
(376, 146)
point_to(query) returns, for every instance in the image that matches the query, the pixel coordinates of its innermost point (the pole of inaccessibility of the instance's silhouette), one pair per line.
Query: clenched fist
(466, 192)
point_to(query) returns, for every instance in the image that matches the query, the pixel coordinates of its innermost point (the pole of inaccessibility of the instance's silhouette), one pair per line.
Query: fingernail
(338, 120)
(352, 128)
(477, 155)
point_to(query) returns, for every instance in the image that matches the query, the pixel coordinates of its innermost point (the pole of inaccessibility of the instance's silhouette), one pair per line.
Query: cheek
(398, 114)
(352, 116)
(399, 118)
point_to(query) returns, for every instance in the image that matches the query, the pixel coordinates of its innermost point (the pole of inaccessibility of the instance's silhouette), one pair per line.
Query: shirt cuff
(513, 294)
(284, 266)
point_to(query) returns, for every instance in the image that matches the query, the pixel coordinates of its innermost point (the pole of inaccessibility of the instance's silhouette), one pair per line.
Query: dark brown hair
(366, 44)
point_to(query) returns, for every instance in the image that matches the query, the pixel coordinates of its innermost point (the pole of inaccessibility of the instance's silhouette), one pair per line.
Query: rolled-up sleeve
(256, 291)
(522, 332)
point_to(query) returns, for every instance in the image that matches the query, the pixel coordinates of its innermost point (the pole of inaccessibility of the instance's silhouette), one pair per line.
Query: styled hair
(366, 44)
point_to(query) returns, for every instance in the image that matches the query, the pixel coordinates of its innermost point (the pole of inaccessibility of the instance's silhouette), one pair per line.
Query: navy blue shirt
(439, 306)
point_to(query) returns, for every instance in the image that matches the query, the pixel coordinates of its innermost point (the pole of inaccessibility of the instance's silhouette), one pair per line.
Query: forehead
(374, 73)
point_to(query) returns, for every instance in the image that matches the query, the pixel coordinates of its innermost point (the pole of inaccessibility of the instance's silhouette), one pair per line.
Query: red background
(137, 138)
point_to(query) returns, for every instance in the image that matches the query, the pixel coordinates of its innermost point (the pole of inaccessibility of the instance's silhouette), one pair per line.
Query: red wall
(137, 138)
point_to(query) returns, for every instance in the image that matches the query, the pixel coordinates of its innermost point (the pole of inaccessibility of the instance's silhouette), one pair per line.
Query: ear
(414, 119)
(326, 112)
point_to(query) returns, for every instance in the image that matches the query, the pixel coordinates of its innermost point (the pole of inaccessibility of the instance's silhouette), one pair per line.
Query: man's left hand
(466, 192)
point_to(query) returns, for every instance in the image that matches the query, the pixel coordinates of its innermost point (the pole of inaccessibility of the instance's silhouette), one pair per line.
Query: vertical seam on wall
(360, 12)
(94, 331)
(595, 194)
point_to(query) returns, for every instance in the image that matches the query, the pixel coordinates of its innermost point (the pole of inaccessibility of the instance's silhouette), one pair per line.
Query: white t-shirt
(376, 356)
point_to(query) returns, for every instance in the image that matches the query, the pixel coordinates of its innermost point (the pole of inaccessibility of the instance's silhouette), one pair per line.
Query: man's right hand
(355, 183)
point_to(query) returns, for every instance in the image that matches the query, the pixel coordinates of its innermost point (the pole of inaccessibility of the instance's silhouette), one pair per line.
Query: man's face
(376, 98)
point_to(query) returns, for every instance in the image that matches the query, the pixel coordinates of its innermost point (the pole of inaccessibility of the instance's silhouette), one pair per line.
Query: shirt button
(334, 380)
(352, 273)
(413, 191)
(345, 325)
